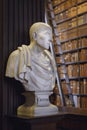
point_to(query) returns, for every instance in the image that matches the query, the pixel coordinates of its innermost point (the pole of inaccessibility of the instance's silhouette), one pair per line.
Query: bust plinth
(37, 104)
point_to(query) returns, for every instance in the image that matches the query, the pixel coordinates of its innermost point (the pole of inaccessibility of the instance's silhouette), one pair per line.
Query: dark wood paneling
(1, 41)
(16, 17)
(67, 119)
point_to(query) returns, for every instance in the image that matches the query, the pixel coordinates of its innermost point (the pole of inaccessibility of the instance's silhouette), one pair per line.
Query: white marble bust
(34, 65)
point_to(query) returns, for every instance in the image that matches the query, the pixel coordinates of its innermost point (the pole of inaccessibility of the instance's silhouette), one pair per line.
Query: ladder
(49, 9)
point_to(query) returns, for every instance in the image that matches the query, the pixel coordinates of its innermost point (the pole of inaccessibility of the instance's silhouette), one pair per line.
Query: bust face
(43, 38)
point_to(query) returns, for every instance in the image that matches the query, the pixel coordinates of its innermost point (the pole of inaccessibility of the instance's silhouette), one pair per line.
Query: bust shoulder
(15, 53)
(12, 62)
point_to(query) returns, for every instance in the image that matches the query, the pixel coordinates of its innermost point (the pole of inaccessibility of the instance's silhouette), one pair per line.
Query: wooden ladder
(49, 10)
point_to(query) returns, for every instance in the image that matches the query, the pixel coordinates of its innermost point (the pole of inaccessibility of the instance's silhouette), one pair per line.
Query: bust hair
(38, 27)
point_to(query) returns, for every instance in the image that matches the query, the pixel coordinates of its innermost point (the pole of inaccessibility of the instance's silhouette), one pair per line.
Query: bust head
(39, 27)
(41, 33)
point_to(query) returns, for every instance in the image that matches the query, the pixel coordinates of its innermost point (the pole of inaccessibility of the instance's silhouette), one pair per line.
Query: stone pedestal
(37, 104)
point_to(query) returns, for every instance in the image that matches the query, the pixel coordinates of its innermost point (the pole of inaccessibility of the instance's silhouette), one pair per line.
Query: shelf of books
(71, 20)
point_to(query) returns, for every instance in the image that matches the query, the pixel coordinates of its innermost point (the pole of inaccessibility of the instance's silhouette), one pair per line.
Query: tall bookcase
(71, 21)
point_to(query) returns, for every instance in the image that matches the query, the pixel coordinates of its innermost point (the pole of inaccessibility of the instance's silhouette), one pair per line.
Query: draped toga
(35, 72)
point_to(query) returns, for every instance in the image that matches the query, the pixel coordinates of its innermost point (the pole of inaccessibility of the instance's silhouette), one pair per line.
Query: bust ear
(34, 36)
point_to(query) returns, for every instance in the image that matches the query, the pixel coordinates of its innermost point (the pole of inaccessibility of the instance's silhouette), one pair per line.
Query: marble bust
(34, 65)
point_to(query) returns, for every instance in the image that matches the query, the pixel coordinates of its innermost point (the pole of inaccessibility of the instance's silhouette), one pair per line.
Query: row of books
(63, 4)
(80, 56)
(80, 20)
(80, 102)
(56, 100)
(77, 56)
(56, 2)
(83, 101)
(74, 86)
(74, 33)
(74, 71)
(69, 57)
(83, 70)
(74, 44)
(77, 87)
(72, 12)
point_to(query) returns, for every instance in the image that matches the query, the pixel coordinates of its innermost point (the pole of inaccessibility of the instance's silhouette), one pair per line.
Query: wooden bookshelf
(71, 21)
